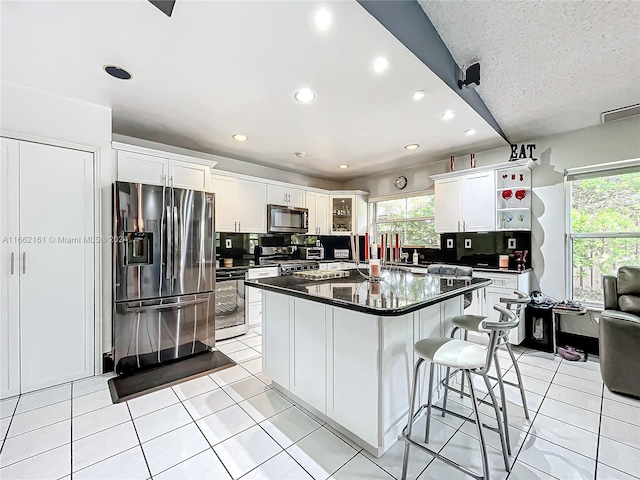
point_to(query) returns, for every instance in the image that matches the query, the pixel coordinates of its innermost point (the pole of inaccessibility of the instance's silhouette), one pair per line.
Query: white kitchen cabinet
(240, 204)
(318, 206)
(348, 214)
(465, 203)
(308, 367)
(251, 206)
(224, 188)
(503, 286)
(478, 202)
(448, 206)
(47, 289)
(285, 195)
(276, 338)
(253, 296)
(9, 271)
(157, 170)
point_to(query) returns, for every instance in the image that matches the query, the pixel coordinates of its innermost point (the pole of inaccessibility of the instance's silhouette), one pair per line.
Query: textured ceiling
(547, 66)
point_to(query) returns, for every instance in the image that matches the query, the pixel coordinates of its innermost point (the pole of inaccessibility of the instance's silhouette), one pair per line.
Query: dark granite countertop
(398, 293)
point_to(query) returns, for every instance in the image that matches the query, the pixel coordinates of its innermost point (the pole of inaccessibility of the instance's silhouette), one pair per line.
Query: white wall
(589, 146)
(35, 115)
(236, 166)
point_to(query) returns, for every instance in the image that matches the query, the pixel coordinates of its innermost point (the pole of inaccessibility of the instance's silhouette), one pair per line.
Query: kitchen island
(343, 347)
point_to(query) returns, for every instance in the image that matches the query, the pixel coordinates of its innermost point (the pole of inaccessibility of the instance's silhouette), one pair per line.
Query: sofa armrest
(618, 315)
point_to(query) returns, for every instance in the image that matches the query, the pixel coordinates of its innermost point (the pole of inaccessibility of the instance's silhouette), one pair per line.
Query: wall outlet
(467, 243)
(227, 243)
(511, 243)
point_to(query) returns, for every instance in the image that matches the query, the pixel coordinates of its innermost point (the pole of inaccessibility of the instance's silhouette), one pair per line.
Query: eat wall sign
(519, 151)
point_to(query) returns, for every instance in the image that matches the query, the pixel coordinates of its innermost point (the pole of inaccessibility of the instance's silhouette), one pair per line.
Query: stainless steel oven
(283, 219)
(229, 303)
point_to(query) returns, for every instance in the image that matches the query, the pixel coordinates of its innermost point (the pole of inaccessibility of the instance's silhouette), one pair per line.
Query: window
(604, 232)
(412, 217)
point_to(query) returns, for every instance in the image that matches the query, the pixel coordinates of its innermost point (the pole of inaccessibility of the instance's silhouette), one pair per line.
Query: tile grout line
(135, 429)
(595, 473)
(6, 435)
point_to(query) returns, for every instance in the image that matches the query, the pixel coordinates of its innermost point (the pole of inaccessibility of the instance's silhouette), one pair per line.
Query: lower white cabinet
(503, 286)
(308, 358)
(352, 367)
(253, 296)
(47, 274)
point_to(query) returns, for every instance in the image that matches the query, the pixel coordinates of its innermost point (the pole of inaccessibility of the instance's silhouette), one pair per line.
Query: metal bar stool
(473, 323)
(470, 358)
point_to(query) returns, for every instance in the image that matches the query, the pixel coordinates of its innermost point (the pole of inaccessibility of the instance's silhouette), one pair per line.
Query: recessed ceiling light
(117, 72)
(323, 19)
(300, 154)
(412, 146)
(240, 138)
(448, 115)
(305, 95)
(419, 95)
(343, 166)
(471, 131)
(380, 64)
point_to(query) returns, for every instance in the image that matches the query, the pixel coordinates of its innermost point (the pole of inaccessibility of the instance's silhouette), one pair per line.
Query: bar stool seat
(452, 352)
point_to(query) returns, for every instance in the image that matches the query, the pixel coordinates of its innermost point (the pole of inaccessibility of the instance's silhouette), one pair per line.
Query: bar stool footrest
(444, 459)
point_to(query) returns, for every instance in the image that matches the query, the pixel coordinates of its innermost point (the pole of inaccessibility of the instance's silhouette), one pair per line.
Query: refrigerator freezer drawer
(147, 333)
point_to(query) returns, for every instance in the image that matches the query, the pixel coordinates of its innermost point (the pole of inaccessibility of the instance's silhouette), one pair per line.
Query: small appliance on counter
(311, 253)
(341, 253)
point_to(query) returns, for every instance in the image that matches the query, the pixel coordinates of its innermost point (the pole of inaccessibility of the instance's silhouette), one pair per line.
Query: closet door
(56, 265)
(9, 276)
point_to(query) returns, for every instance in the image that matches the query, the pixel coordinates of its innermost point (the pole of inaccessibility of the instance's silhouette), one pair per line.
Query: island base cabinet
(353, 372)
(309, 353)
(276, 338)
(351, 368)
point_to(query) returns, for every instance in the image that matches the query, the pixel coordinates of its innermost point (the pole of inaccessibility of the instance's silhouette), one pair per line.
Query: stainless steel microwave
(283, 219)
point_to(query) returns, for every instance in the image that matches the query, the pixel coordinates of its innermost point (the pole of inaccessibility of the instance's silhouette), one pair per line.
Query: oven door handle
(166, 306)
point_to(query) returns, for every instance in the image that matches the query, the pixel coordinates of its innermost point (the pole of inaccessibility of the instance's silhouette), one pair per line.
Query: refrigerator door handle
(175, 232)
(169, 244)
(166, 306)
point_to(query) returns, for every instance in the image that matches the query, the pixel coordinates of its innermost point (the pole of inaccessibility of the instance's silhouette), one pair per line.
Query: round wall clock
(401, 182)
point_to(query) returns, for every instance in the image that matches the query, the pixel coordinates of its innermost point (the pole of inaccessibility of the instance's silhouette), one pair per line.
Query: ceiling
(547, 67)
(218, 68)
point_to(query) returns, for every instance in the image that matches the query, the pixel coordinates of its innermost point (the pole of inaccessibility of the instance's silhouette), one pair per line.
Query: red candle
(397, 247)
(382, 248)
(366, 246)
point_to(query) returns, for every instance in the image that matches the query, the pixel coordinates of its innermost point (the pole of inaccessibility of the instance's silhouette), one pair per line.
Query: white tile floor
(233, 425)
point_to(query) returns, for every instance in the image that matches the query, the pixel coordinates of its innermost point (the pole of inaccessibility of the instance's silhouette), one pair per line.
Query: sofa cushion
(629, 281)
(629, 304)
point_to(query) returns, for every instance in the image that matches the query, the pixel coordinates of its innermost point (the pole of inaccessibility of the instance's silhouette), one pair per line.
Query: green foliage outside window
(412, 218)
(604, 205)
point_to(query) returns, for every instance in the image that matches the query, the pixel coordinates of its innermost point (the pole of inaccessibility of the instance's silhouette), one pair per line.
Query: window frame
(595, 171)
(373, 205)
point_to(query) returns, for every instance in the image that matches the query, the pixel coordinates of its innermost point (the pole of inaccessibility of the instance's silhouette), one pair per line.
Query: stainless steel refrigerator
(164, 275)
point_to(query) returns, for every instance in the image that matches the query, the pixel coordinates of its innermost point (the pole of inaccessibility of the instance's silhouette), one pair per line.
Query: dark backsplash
(483, 251)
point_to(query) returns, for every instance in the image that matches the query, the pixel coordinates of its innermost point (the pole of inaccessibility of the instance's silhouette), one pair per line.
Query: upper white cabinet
(156, 170)
(348, 214)
(466, 203)
(495, 197)
(285, 195)
(47, 274)
(318, 205)
(240, 204)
